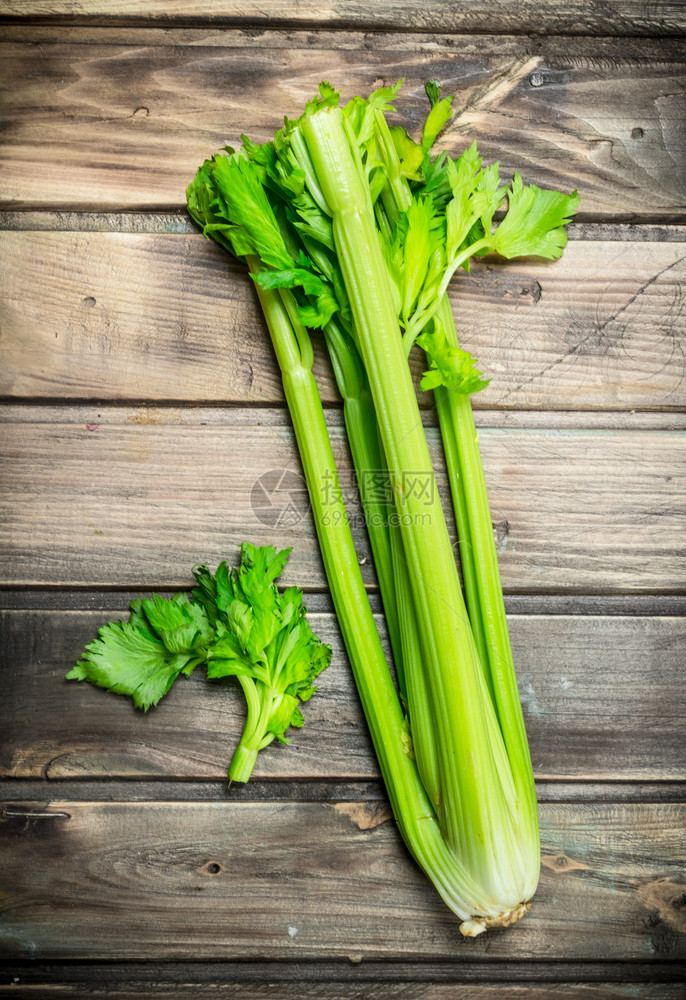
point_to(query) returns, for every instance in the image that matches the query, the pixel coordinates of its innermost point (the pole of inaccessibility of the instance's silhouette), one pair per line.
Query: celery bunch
(349, 227)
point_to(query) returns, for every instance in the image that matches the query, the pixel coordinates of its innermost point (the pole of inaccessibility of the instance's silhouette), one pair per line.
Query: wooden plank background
(178, 870)
(125, 123)
(140, 401)
(571, 17)
(137, 504)
(341, 991)
(88, 733)
(157, 317)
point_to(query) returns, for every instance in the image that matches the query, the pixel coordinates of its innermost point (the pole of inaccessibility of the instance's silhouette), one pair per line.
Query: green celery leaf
(228, 658)
(285, 713)
(79, 672)
(489, 185)
(432, 88)
(421, 234)
(440, 113)
(450, 366)
(468, 202)
(205, 209)
(534, 221)
(321, 303)
(214, 591)
(127, 661)
(379, 99)
(237, 182)
(311, 221)
(362, 114)
(179, 623)
(410, 153)
(237, 623)
(435, 180)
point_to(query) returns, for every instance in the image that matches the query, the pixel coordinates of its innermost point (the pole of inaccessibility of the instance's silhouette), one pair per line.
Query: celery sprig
(236, 622)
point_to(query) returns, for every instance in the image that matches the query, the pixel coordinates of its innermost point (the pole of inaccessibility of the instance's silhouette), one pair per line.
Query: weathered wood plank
(156, 317)
(601, 697)
(137, 504)
(368, 989)
(566, 17)
(125, 124)
(301, 881)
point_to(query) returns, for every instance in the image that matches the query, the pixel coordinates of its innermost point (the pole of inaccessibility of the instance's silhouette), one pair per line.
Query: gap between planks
(644, 605)
(199, 414)
(206, 971)
(42, 790)
(177, 222)
(406, 33)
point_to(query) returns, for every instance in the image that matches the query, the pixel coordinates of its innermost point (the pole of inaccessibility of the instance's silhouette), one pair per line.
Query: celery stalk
(480, 572)
(387, 548)
(360, 424)
(477, 810)
(486, 595)
(479, 842)
(411, 807)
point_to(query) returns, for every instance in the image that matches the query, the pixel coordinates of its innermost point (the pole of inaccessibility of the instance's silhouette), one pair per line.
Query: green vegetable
(263, 639)
(239, 624)
(411, 806)
(348, 225)
(143, 657)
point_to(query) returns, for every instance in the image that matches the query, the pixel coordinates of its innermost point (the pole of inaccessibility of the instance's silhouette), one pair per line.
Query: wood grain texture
(139, 503)
(298, 881)
(126, 124)
(171, 317)
(568, 17)
(580, 680)
(364, 990)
